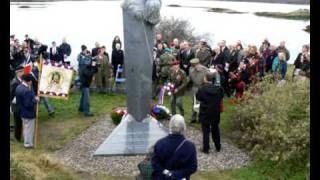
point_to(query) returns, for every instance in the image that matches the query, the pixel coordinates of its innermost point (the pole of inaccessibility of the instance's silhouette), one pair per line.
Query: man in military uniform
(203, 54)
(196, 73)
(104, 71)
(180, 80)
(163, 68)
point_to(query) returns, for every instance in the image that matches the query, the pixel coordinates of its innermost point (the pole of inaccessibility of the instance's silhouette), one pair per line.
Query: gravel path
(78, 153)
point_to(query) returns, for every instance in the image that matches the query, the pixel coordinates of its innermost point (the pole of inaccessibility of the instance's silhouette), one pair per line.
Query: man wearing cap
(196, 74)
(102, 78)
(203, 54)
(180, 80)
(26, 103)
(16, 116)
(165, 61)
(164, 68)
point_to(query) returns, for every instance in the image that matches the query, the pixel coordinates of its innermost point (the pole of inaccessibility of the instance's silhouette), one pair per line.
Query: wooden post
(36, 132)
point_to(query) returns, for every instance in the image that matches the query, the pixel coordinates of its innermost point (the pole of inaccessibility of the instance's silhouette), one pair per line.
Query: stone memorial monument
(137, 130)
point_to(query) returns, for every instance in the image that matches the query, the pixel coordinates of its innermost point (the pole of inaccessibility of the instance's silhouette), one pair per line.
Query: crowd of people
(24, 70)
(238, 67)
(208, 72)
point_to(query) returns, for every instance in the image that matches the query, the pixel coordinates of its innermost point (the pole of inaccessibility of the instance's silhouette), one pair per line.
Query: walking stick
(36, 134)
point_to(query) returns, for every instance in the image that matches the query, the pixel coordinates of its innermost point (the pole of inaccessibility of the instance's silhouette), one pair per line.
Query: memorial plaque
(131, 137)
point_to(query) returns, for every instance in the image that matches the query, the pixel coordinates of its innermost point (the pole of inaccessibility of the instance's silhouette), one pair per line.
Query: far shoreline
(292, 2)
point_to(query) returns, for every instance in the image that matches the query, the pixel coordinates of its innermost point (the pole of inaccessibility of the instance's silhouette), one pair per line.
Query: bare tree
(171, 28)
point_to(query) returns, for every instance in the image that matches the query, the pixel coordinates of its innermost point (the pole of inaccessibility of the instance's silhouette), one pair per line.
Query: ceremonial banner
(55, 80)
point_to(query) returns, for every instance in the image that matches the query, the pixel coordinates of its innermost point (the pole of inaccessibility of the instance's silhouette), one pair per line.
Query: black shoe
(205, 151)
(88, 115)
(51, 113)
(218, 149)
(193, 121)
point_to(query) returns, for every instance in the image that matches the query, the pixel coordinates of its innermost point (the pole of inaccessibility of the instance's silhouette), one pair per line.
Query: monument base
(131, 137)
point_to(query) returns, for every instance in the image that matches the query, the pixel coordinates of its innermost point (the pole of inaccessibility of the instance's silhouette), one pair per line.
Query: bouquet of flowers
(169, 87)
(117, 113)
(160, 112)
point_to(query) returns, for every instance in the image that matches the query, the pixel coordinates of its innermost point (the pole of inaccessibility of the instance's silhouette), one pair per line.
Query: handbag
(145, 166)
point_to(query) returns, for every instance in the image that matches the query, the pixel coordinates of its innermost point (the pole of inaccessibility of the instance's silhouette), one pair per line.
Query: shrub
(33, 167)
(275, 122)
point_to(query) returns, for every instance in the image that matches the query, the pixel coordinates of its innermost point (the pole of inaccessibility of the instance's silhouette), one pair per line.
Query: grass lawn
(67, 123)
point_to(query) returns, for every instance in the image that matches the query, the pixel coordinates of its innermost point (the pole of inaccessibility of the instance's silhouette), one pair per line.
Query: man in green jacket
(163, 68)
(180, 80)
(196, 73)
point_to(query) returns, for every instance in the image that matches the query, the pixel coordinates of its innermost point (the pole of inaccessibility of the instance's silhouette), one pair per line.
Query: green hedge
(275, 123)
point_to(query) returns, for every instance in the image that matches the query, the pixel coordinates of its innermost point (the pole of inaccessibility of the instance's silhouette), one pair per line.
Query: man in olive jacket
(180, 80)
(196, 74)
(210, 97)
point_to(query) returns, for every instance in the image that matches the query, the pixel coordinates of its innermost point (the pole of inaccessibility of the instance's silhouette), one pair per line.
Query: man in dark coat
(86, 78)
(210, 97)
(174, 156)
(65, 49)
(186, 57)
(16, 116)
(29, 41)
(95, 50)
(26, 103)
(224, 55)
(55, 53)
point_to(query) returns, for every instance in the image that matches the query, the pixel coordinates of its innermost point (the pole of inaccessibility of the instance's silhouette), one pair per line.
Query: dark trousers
(176, 101)
(84, 100)
(115, 67)
(17, 126)
(212, 126)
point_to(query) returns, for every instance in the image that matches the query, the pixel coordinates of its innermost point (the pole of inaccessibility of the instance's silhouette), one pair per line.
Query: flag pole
(36, 132)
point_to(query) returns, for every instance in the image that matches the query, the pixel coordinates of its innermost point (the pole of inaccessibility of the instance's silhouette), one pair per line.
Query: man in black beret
(26, 103)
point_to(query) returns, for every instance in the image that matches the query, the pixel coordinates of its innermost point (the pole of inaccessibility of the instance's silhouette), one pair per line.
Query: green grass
(67, 123)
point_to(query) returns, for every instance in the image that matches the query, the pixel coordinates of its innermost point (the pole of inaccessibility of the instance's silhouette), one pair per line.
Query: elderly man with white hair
(174, 156)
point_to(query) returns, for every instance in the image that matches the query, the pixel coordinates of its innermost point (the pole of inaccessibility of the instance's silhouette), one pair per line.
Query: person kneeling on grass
(210, 97)
(86, 78)
(174, 156)
(26, 102)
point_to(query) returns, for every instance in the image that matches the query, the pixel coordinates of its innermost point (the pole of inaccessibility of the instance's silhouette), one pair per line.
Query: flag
(27, 69)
